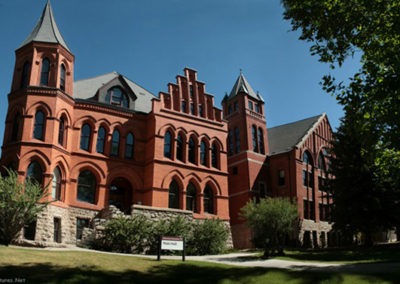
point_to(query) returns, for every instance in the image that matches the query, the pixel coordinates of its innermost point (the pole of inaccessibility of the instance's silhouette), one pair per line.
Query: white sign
(171, 243)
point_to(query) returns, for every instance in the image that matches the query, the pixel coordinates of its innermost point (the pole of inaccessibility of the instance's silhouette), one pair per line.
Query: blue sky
(151, 41)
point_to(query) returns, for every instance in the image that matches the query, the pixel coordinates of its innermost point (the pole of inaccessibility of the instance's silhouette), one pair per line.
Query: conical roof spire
(46, 29)
(242, 86)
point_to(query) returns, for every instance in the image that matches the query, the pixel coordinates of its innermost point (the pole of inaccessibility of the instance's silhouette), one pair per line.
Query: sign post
(171, 243)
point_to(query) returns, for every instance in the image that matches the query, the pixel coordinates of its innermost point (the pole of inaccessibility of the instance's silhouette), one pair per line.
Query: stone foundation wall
(314, 234)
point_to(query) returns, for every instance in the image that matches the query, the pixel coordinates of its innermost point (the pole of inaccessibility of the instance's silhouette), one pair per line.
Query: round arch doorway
(120, 195)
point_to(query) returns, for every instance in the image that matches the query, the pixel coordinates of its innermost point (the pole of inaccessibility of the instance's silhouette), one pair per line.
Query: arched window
(321, 162)
(192, 151)
(86, 187)
(191, 198)
(35, 173)
(254, 138)
(173, 195)
(86, 133)
(237, 140)
(261, 141)
(115, 143)
(307, 159)
(308, 173)
(44, 74)
(115, 96)
(62, 77)
(129, 146)
(208, 200)
(25, 74)
(203, 153)
(61, 131)
(38, 128)
(16, 127)
(179, 148)
(168, 145)
(56, 184)
(101, 140)
(215, 155)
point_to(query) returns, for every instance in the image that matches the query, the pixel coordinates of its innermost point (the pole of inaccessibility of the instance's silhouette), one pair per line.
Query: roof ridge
(297, 121)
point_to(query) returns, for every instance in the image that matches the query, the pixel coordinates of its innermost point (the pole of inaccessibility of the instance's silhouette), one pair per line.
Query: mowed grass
(44, 266)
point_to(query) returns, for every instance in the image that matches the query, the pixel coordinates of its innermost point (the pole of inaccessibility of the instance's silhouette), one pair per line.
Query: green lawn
(42, 266)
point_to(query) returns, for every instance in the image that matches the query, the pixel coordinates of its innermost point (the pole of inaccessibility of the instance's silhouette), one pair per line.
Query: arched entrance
(120, 195)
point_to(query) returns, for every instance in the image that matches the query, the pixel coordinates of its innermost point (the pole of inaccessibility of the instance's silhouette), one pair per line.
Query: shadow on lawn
(170, 273)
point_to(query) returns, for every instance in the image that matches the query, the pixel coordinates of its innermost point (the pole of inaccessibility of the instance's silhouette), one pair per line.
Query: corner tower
(247, 153)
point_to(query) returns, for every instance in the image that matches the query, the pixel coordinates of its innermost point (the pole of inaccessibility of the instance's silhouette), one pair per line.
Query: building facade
(107, 141)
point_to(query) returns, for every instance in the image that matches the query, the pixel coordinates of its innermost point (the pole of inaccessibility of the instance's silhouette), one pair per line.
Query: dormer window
(115, 96)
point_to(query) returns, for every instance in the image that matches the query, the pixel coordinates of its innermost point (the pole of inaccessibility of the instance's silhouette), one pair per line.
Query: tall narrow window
(201, 111)
(214, 155)
(61, 131)
(115, 144)
(208, 200)
(62, 77)
(38, 129)
(183, 106)
(261, 141)
(203, 153)
(16, 127)
(101, 140)
(230, 142)
(173, 195)
(179, 148)
(191, 198)
(254, 138)
(35, 173)
(192, 151)
(56, 184)
(129, 146)
(44, 74)
(237, 140)
(25, 75)
(168, 145)
(86, 132)
(86, 187)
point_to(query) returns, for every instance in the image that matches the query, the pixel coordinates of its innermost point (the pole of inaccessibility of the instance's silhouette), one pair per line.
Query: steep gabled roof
(46, 30)
(285, 137)
(86, 89)
(242, 85)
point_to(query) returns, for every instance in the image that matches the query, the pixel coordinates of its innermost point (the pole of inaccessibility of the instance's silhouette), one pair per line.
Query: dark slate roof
(242, 85)
(46, 29)
(87, 89)
(284, 138)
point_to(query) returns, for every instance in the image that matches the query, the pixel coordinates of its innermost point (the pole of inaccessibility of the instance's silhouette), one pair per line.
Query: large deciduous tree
(271, 221)
(367, 145)
(19, 205)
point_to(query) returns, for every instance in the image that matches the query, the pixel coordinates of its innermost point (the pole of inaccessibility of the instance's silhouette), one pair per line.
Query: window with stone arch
(62, 77)
(173, 195)
(45, 72)
(62, 131)
(179, 147)
(15, 133)
(25, 74)
(129, 146)
(87, 187)
(35, 173)
(86, 133)
(215, 151)
(192, 150)
(208, 200)
(168, 144)
(115, 143)
(56, 184)
(101, 140)
(39, 125)
(116, 96)
(191, 198)
(203, 153)
(308, 173)
(261, 141)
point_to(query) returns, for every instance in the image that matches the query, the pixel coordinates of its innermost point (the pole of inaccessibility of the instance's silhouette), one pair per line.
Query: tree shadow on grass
(167, 272)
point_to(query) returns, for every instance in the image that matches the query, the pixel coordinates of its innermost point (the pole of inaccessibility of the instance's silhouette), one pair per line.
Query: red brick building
(107, 140)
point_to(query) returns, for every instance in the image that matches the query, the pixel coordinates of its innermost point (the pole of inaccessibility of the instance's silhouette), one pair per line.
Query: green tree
(337, 29)
(19, 205)
(271, 220)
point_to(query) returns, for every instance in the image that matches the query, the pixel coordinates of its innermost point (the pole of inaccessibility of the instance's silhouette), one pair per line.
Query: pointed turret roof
(242, 85)
(46, 29)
